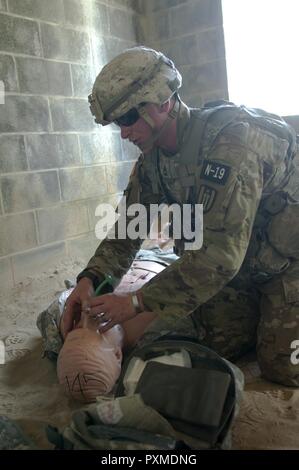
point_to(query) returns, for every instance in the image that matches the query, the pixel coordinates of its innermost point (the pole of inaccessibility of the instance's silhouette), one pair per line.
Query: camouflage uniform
(240, 163)
(12, 437)
(48, 324)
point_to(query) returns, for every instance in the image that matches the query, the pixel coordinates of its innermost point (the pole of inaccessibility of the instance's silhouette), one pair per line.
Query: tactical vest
(205, 126)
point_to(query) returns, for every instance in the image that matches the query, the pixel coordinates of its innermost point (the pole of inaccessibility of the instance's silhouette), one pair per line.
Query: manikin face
(89, 363)
(140, 132)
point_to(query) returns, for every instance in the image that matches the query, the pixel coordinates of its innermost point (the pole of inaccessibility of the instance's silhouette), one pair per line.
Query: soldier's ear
(165, 107)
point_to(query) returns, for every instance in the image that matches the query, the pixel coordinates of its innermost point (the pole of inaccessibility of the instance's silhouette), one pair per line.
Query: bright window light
(261, 41)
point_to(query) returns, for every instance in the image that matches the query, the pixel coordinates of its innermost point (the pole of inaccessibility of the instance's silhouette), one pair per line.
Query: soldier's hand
(110, 309)
(76, 302)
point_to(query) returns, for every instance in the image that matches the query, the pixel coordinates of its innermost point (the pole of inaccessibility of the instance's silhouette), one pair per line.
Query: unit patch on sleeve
(206, 197)
(215, 172)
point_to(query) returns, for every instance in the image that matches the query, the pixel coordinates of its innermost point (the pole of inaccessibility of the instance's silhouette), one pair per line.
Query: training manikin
(89, 362)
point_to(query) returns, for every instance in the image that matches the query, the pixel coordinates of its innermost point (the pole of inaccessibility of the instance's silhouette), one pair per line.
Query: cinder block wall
(190, 32)
(56, 165)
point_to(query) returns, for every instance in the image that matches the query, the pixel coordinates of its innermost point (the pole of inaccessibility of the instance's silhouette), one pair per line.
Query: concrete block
(100, 19)
(211, 45)
(24, 114)
(87, 14)
(44, 77)
(196, 49)
(126, 4)
(19, 35)
(182, 51)
(42, 9)
(35, 262)
(17, 233)
(78, 12)
(143, 30)
(159, 25)
(104, 146)
(65, 44)
(118, 176)
(138, 6)
(194, 16)
(130, 151)
(12, 154)
(25, 191)
(61, 222)
(105, 49)
(82, 183)
(71, 115)
(155, 5)
(83, 79)
(8, 73)
(214, 96)
(3, 5)
(204, 78)
(82, 248)
(52, 151)
(113, 200)
(122, 24)
(6, 279)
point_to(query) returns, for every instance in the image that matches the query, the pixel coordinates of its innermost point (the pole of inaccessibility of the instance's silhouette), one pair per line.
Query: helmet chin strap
(157, 134)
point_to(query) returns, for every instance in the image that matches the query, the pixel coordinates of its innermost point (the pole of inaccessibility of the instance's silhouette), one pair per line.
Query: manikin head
(89, 363)
(138, 91)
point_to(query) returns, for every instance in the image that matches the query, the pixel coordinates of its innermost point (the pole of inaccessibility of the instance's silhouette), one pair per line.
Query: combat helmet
(135, 76)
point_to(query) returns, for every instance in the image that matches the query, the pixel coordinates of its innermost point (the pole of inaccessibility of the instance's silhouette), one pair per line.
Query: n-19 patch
(215, 172)
(207, 197)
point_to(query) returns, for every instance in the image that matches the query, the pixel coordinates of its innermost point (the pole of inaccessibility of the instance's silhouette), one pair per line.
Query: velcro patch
(215, 172)
(207, 197)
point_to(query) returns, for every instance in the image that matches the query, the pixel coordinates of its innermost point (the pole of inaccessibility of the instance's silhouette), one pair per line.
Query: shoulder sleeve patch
(215, 172)
(207, 197)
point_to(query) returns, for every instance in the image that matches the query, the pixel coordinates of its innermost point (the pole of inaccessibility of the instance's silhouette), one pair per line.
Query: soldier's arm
(114, 256)
(230, 184)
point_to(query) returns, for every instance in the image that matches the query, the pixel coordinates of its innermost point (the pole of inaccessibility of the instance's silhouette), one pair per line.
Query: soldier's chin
(145, 147)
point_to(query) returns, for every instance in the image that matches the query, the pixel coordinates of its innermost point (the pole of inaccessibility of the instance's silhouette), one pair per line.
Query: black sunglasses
(128, 119)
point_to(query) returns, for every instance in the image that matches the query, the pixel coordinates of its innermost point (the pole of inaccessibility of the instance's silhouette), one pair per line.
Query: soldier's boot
(278, 330)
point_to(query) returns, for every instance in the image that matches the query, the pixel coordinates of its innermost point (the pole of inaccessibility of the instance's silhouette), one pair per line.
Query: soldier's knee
(278, 368)
(277, 333)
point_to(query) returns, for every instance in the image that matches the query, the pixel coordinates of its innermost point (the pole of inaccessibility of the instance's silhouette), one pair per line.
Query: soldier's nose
(124, 132)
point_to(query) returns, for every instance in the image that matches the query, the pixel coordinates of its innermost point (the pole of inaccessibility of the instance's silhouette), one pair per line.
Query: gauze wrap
(89, 363)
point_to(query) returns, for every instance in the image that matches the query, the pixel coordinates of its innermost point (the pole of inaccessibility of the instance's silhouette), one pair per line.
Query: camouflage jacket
(238, 163)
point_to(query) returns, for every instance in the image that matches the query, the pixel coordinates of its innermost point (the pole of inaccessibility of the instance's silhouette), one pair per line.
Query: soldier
(242, 286)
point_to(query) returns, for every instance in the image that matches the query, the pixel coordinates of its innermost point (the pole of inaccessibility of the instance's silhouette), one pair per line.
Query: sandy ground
(30, 394)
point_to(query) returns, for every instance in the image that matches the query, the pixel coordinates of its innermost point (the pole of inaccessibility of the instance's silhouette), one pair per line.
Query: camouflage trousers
(267, 316)
(240, 318)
